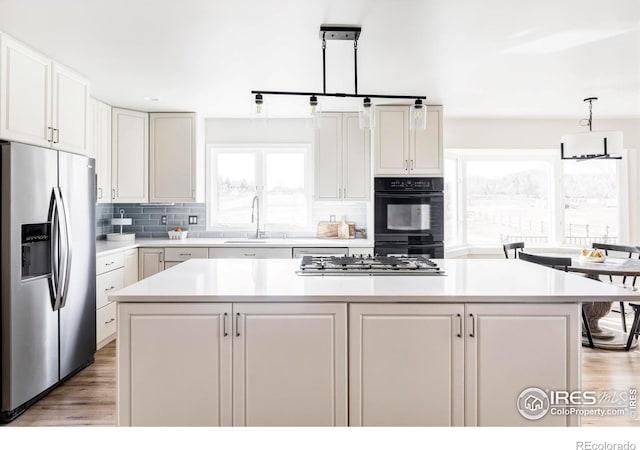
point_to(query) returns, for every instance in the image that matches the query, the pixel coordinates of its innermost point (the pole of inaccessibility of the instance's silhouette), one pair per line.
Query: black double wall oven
(409, 216)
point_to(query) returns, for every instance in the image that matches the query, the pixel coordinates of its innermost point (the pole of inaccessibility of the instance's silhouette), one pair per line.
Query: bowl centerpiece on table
(592, 255)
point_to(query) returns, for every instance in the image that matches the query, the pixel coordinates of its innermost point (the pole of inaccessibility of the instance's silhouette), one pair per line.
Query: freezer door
(78, 263)
(29, 325)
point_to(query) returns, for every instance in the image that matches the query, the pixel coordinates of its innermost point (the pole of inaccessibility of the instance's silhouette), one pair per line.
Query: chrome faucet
(255, 214)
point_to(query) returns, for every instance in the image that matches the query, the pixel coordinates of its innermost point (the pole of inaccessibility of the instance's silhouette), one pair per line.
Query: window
(277, 175)
(507, 201)
(590, 202)
(493, 197)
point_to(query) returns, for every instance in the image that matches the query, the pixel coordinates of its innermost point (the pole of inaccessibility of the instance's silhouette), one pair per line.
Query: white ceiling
(491, 58)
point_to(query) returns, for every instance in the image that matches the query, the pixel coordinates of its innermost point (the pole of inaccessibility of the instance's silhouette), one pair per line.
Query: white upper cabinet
(101, 138)
(130, 156)
(391, 140)
(172, 149)
(356, 148)
(401, 151)
(328, 162)
(70, 107)
(342, 158)
(41, 102)
(25, 94)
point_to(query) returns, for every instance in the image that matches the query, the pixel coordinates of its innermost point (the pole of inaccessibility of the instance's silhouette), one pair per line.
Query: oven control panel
(409, 184)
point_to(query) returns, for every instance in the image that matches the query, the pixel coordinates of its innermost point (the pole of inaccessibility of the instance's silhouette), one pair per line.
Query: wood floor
(89, 397)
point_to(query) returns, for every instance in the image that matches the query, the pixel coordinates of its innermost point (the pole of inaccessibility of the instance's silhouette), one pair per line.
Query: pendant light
(258, 112)
(418, 116)
(315, 109)
(591, 144)
(366, 117)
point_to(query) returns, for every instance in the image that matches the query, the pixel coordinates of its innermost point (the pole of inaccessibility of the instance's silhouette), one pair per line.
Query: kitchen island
(250, 342)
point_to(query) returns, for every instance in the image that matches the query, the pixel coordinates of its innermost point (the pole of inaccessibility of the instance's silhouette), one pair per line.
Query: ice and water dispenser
(36, 250)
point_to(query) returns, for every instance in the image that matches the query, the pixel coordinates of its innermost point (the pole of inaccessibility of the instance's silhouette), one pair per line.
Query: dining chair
(563, 263)
(635, 327)
(622, 249)
(512, 246)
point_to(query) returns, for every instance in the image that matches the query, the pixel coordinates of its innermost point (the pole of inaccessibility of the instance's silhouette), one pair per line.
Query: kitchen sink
(245, 241)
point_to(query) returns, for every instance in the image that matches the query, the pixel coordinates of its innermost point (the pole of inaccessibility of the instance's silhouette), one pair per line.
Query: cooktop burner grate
(368, 265)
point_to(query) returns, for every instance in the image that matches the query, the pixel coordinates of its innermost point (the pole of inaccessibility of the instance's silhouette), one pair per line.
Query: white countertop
(104, 247)
(275, 280)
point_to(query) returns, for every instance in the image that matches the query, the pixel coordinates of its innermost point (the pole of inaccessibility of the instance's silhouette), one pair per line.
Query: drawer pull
(112, 320)
(109, 288)
(109, 263)
(249, 254)
(185, 254)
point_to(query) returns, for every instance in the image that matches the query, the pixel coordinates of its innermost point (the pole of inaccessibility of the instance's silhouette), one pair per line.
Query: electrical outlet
(164, 220)
(193, 220)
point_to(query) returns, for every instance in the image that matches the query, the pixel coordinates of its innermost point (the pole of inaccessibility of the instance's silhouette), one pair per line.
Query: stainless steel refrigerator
(47, 262)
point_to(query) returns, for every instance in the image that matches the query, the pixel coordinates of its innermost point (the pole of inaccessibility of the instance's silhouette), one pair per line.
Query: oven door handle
(409, 195)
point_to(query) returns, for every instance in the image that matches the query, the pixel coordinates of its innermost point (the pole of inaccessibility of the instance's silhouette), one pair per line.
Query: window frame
(260, 150)
(556, 193)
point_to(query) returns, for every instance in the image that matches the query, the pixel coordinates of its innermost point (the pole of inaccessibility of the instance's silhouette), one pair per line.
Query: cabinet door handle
(249, 254)
(112, 320)
(412, 164)
(459, 325)
(345, 193)
(473, 326)
(113, 194)
(237, 324)
(224, 325)
(100, 193)
(185, 254)
(49, 139)
(110, 288)
(57, 138)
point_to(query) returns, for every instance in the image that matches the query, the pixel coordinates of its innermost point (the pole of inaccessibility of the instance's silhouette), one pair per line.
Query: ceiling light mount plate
(340, 32)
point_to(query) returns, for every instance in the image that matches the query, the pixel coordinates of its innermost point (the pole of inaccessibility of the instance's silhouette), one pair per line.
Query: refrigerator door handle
(67, 249)
(54, 279)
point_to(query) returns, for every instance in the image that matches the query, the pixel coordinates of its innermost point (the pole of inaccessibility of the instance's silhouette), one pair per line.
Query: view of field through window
(507, 201)
(519, 200)
(275, 175)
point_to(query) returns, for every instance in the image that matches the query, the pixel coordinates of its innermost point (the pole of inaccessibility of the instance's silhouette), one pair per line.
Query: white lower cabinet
(241, 364)
(515, 346)
(130, 266)
(406, 365)
(250, 252)
(290, 364)
(114, 271)
(175, 364)
(151, 261)
(285, 364)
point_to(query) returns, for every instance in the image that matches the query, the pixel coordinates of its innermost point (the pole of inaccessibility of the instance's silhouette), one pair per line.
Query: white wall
(470, 133)
(228, 131)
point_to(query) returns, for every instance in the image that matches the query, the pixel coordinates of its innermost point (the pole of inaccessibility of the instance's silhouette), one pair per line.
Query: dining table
(627, 268)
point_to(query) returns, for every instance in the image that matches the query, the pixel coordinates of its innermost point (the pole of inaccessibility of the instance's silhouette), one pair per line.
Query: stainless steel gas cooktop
(368, 265)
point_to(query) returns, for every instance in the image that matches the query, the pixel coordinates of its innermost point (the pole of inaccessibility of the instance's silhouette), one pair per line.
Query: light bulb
(418, 116)
(366, 116)
(258, 108)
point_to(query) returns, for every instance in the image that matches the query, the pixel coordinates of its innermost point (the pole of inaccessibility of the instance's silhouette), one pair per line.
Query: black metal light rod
(340, 94)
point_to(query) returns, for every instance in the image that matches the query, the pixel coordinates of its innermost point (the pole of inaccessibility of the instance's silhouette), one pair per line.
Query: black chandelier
(340, 33)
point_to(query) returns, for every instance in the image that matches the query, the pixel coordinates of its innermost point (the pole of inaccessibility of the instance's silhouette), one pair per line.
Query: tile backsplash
(104, 213)
(147, 219)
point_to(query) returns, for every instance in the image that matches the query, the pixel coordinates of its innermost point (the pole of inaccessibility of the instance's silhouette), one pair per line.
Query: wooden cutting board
(329, 230)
